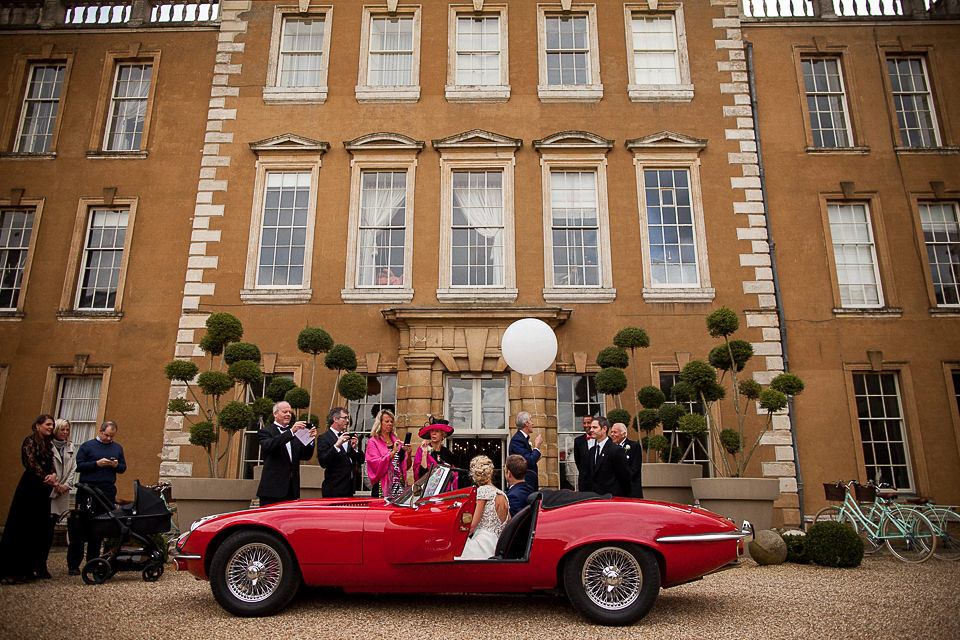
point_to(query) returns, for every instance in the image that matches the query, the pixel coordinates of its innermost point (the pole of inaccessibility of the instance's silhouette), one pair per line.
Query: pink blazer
(378, 463)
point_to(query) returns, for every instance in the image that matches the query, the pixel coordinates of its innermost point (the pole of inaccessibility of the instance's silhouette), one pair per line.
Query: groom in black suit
(282, 452)
(338, 453)
(609, 470)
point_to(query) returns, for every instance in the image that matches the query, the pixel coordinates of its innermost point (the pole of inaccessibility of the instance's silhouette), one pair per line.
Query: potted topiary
(669, 479)
(730, 493)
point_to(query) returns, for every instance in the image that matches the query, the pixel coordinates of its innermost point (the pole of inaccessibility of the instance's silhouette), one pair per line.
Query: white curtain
(79, 399)
(377, 206)
(483, 211)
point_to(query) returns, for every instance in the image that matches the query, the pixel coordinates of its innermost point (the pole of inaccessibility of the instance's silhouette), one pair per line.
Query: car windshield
(434, 483)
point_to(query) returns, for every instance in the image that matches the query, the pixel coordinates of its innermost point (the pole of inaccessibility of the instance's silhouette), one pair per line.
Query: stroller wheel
(152, 572)
(96, 571)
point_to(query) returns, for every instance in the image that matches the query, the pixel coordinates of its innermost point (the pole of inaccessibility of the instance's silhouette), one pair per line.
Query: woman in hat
(433, 451)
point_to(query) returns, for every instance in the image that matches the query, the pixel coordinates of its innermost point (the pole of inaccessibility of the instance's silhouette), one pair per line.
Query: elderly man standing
(282, 450)
(618, 433)
(520, 445)
(98, 463)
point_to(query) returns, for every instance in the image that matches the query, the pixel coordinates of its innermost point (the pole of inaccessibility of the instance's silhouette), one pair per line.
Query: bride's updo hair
(481, 470)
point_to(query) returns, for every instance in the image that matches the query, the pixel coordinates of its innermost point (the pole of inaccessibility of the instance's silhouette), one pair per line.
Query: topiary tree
(313, 340)
(618, 415)
(632, 338)
(731, 455)
(341, 358)
(832, 544)
(611, 381)
(210, 414)
(353, 387)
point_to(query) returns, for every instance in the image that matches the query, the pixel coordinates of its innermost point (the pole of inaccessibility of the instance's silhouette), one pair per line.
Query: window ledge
(75, 315)
(275, 296)
(11, 315)
(927, 150)
(470, 294)
(117, 155)
(368, 94)
(294, 95)
(570, 93)
(679, 294)
(660, 92)
(850, 151)
(18, 155)
(872, 312)
(477, 93)
(579, 294)
(945, 312)
(374, 295)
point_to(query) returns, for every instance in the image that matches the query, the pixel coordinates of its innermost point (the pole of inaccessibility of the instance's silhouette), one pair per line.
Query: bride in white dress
(489, 517)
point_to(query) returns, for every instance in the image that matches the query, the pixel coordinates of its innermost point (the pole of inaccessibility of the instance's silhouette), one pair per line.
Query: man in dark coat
(338, 454)
(282, 450)
(581, 446)
(520, 445)
(517, 488)
(609, 470)
(618, 433)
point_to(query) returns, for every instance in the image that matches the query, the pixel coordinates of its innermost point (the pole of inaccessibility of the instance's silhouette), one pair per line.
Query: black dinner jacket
(635, 462)
(580, 451)
(337, 466)
(280, 478)
(611, 474)
(520, 445)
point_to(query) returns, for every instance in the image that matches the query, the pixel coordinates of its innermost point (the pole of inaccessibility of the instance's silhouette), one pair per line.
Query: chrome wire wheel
(254, 572)
(612, 578)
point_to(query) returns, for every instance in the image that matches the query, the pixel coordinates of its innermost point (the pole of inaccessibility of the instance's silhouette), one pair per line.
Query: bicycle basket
(834, 491)
(865, 492)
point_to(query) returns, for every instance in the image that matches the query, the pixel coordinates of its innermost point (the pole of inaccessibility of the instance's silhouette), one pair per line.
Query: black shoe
(43, 574)
(74, 572)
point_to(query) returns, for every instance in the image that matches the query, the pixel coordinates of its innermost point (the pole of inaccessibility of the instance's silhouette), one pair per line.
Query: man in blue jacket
(98, 463)
(517, 489)
(520, 445)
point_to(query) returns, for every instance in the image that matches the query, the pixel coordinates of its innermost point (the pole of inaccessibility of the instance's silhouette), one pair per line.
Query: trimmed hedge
(831, 544)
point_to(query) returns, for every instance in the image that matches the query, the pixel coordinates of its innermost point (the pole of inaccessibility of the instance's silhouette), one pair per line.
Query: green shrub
(651, 397)
(796, 542)
(613, 357)
(610, 381)
(831, 544)
(618, 415)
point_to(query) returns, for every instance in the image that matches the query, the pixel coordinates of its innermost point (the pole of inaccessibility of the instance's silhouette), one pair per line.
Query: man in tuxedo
(282, 451)
(520, 445)
(618, 433)
(338, 454)
(609, 470)
(581, 446)
(517, 488)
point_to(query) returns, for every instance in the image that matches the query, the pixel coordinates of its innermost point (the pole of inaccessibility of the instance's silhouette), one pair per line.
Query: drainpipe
(773, 265)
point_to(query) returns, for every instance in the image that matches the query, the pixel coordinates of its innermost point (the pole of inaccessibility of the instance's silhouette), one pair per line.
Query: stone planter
(199, 497)
(739, 498)
(669, 482)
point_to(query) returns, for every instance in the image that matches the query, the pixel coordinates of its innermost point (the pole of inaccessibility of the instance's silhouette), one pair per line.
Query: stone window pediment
(573, 140)
(666, 140)
(383, 140)
(289, 143)
(477, 138)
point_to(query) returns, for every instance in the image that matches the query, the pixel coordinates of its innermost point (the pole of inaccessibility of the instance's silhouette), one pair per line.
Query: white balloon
(529, 346)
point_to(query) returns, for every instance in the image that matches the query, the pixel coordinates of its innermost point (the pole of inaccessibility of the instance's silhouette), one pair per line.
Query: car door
(433, 530)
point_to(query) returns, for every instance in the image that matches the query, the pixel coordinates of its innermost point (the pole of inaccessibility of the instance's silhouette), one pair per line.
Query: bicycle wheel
(947, 525)
(827, 514)
(909, 535)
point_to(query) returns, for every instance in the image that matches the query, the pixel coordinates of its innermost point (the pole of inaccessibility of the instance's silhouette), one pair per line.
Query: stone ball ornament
(529, 346)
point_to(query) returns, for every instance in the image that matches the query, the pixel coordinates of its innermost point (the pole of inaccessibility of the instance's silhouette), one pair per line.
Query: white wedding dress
(483, 542)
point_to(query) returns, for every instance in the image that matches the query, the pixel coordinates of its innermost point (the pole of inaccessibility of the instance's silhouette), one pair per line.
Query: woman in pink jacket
(387, 458)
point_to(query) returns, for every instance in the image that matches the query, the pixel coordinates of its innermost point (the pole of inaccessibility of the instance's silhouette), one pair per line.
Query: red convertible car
(610, 556)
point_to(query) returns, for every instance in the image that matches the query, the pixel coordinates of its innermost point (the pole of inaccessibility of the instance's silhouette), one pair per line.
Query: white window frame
(576, 151)
(273, 91)
(455, 92)
(682, 90)
(147, 101)
(870, 244)
(70, 296)
(592, 91)
(667, 150)
(37, 207)
(286, 153)
(841, 93)
(380, 152)
(476, 426)
(927, 94)
(945, 205)
(369, 93)
(54, 118)
(477, 151)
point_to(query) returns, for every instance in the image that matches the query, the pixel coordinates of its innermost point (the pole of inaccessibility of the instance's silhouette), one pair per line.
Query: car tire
(612, 583)
(254, 573)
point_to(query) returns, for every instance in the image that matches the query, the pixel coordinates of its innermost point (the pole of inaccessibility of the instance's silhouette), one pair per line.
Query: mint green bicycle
(907, 534)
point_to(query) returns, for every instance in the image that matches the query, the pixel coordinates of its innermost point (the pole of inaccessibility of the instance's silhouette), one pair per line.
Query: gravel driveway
(883, 598)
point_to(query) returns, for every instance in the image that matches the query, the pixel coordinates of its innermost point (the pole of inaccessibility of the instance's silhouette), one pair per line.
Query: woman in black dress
(25, 542)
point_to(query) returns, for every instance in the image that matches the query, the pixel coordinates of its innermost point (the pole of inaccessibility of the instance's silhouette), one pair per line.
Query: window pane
(478, 50)
(567, 49)
(673, 252)
(391, 51)
(16, 228)
(301, 52)
(40, 106)
(477, 229)
(655, 50)
(882, 429)
(913, 101)
(283, 234)
(826, 102)
(382, 228)
(128, 108)
(855, 255)
(78, 399)
(102, 259)
(941, 234)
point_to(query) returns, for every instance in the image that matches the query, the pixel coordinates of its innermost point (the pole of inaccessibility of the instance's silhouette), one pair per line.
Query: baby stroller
(146, 515)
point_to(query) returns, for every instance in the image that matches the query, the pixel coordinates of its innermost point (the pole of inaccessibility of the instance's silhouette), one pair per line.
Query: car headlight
(182, 539)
